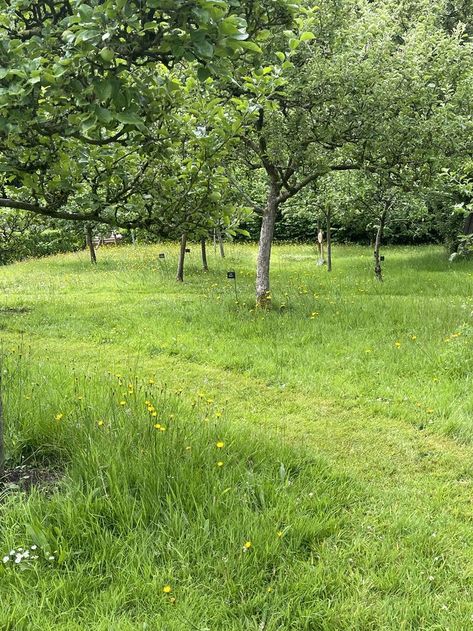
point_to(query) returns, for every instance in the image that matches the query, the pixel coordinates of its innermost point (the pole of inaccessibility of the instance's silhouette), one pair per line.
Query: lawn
(215, 467)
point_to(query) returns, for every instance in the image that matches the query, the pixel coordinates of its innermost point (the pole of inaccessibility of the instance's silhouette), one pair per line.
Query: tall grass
(179, 424)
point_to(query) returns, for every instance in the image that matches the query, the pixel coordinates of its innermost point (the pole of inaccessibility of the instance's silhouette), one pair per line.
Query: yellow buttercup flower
(100, 423)
(167, 589)
(59, 416)
(247, 545)
(220, 444)
(220, 463)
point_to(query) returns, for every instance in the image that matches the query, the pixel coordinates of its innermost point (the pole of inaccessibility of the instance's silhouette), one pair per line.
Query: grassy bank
(345, 418)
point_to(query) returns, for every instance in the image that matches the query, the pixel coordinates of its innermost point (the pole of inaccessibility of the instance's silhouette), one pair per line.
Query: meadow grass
(345, 417)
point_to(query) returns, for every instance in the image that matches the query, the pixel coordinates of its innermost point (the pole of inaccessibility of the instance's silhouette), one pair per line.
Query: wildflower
(33, 547)
(157, 426)
(220, 463)
(397, 344)
(220, 444)
(122, 402)
(151, 382)
(99, 423)
(59, 416)
(154, 413)
(162, 428)
(270, 589)
(167, 589)
(218, 414)
(280, 533)
(413, 338)
(247, 545)
(6, 559)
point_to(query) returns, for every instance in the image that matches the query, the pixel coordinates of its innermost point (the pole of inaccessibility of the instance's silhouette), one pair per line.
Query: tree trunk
(377, 245)
(329, 242)
(182, 256)
(220, 244)
(263, 296)
(205, 266)
(320, 244)
(90, 244)
(2, 429)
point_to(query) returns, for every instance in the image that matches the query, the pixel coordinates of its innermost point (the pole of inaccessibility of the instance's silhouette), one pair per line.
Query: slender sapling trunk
(90, 244)
(377, 245)
(329, 242)
(320, 244)
(220, 244)
(182, 256)
(203, 248)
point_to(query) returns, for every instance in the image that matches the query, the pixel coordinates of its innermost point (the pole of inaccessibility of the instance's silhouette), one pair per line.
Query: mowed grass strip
(359, 372)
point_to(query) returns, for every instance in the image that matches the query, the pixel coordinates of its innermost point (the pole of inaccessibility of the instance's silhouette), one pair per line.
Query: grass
(345, 414)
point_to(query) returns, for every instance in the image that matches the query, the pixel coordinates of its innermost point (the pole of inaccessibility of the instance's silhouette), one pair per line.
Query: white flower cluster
(21, 555)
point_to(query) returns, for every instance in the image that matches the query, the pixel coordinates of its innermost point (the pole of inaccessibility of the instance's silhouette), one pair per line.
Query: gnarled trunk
(203, 248)
(377, 245)
(90, 244)
(182, 256)
(263, 296)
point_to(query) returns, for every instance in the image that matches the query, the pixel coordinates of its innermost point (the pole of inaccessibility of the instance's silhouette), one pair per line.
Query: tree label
(161, 255)
(231, 275)
(188, 250)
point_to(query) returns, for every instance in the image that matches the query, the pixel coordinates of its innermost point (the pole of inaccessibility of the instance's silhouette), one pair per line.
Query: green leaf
(306, 36)
(250, 46)
(103, 89)
(203, 73)
(128, 118)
